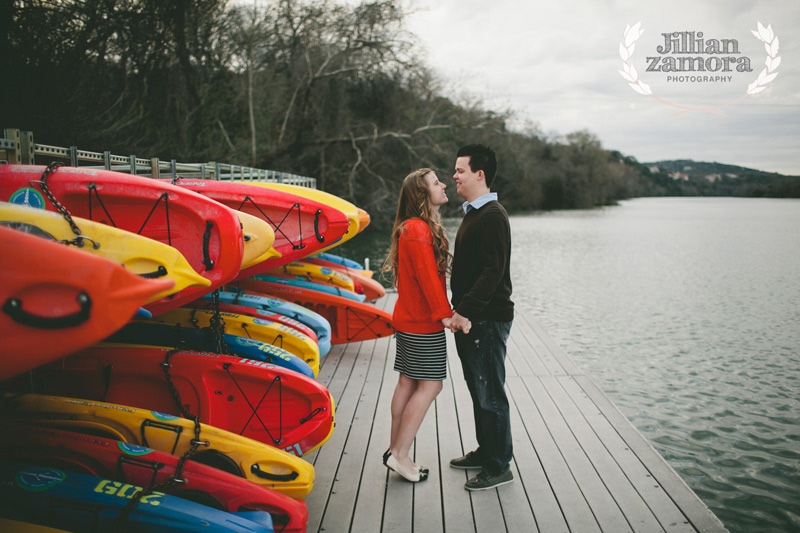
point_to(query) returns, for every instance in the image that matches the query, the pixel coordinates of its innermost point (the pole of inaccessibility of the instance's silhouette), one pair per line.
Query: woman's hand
(458, 322)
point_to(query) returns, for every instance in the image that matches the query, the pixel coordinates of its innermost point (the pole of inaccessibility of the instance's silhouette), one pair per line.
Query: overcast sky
(555, 64)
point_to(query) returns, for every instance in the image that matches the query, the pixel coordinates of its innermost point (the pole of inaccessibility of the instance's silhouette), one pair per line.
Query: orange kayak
(350, 320)
(57, 299)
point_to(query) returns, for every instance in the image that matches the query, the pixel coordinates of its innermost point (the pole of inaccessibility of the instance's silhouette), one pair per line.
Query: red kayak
(263, 402)
(208, 234)
(302, 226)
(57, 299)
(350, 320)
(143, 467)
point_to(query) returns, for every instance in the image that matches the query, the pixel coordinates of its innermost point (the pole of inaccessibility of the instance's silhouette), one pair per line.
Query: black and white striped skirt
(421, 355)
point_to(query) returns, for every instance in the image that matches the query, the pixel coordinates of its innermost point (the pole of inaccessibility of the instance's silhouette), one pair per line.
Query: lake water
(686, 313)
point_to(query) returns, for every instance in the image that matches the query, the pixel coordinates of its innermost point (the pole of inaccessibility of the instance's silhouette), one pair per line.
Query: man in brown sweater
(481, 288)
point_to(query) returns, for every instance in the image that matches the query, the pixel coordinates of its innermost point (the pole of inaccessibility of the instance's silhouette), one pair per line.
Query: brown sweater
(481, 278)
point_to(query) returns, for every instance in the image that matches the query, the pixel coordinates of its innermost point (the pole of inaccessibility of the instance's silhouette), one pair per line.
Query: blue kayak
(171, 336)
(339, 260)
(305, 316)
(79, 502)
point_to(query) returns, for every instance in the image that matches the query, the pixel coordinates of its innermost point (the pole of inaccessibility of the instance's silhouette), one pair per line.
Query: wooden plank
(571, 500)
(522, 360)
(428, 515)
(517, 512)
(329, 456)
(456, 504)
(368, 513)
(542, 341)
(486, 508)
(670, 517)
(364, 388)
(362, 377)
(527, 335)
(329, 363)
(398, 509)
(696, 512)
(541, 500)
(605, 509)
(579, 465)
(634, 510)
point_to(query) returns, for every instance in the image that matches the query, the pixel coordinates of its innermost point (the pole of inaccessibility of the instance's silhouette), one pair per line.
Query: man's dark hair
(481, 157)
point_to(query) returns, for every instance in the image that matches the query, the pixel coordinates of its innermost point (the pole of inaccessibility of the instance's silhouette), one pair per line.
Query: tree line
(333, 91)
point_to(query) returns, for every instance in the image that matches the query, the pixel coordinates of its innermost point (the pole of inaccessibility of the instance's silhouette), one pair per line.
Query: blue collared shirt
(479, 202)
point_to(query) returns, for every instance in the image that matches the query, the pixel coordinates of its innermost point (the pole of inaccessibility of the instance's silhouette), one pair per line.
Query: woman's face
(436, 190)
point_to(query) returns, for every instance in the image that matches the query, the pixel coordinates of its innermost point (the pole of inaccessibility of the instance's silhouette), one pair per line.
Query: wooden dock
(579, 465)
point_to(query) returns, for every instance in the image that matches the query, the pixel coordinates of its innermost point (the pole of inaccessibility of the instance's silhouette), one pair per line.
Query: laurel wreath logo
(626, 48)
(771, 43)
(631, 75)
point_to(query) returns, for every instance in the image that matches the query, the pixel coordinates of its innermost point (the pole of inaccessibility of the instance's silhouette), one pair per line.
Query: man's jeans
(483, 352)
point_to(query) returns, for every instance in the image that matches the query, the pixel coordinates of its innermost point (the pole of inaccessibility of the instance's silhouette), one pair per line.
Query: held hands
(457, 323)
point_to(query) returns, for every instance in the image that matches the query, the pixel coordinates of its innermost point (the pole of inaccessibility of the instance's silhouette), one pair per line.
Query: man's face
(466, 180)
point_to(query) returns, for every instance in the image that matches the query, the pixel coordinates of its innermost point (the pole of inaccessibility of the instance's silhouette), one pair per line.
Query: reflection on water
(686, 312)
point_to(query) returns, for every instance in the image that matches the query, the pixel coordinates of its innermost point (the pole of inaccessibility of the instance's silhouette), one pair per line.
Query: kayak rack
(17, 147)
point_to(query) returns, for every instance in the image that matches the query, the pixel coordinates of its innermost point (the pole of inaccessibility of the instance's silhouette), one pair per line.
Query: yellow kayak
(241, 456)
(259, 329)
(258, 238)
(316, 273)
(350, 210)
(26, 527)
(138, 254)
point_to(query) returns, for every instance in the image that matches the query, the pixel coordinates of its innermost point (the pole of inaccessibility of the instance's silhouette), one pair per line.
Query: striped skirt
(421, 355)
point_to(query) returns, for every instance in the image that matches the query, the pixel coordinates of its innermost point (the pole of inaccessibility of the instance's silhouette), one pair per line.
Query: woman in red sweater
(419, 258)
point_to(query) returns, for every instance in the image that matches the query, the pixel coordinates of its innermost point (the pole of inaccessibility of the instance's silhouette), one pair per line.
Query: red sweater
(421, 289)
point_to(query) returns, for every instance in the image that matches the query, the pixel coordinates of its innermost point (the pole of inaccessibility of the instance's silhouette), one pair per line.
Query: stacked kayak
(57, 299)
(139, 466)
(258, 462)
(208, 234)
(302, 225)
(80, 502)
(263, 402)
(146, 322)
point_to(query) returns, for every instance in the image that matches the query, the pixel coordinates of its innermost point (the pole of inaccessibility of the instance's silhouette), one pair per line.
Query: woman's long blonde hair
(415, 202)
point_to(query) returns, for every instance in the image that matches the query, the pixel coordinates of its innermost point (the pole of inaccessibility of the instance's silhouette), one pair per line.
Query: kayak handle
(14, 309)
(160, 273)
(206, 238)
(255, 469)
(320, 238)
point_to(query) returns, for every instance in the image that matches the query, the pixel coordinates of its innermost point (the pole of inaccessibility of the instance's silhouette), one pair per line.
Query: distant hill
(684, 177)
(698, 169)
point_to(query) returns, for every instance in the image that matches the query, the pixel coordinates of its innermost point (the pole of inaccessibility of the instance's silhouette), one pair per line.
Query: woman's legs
(402, 393)
(410, 404)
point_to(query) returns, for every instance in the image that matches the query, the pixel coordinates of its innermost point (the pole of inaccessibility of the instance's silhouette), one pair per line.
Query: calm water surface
(686, 312)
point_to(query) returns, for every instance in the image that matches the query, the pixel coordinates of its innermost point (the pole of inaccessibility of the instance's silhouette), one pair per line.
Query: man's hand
(458, 322)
